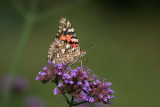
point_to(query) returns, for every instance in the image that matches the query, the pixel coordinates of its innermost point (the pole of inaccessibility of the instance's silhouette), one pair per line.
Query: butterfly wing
(65, 28)
(65, 48)
(66, 33)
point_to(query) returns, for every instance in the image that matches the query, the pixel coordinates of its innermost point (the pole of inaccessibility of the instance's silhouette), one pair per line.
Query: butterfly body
(65, 48)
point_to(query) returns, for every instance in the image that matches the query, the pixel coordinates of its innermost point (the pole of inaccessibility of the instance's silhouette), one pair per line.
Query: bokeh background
(126, 34)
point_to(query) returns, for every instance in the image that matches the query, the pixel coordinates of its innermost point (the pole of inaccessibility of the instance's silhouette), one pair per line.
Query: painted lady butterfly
(65, 48)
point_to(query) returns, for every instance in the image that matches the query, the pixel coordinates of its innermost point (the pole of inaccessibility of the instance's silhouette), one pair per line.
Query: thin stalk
(63, 94)
(29, 20)
(71, 101)
(18, 57)
(76, 104)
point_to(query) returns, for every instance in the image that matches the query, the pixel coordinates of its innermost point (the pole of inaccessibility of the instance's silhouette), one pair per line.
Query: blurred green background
(127, 52)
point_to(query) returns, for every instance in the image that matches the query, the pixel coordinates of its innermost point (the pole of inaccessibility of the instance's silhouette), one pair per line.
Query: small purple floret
(55, 91)
(91, 99)
(45, 68)
(59, 73)
(73, 74)
(66, 81)
(105, 99)
(43, 74)
(40, 72)
(60, 84)
(71, 82)
(100, 96)
(108, 83)
(79, 83)
(37, 77)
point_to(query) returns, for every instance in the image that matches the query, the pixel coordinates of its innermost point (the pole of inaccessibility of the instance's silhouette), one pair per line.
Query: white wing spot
(72, 30)
(63, 51)
(64, 29)
(69, 30)
(67, 46)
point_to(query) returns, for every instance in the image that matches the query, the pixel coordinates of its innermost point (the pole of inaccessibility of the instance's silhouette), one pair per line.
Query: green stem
(76, 104)
(71, 101)
(63, 94)
(18, 57)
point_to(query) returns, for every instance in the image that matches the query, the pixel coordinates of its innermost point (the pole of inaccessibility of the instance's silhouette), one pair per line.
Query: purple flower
(94, 83)
(109, 97)
(85, 76)
(78, 68)
(93, 75)
(83, 72)
(86, 83)
(75, 70)
(45, 68)
(71, 82)
(66, 76)
(91, 99)
(59, 73)
(84, 95)
(79, 83)
(100, 96)
(55, 91)
(40, 72)
(18, 84)
(108, 83)
(43, 74)
(110, 91)
(37, 77)
(105, 99)
(66, 81)
(60, 66)
(104, 79)
(97, 81)
(60, 85)
(73, 74)
(86, 88)
(88, 70)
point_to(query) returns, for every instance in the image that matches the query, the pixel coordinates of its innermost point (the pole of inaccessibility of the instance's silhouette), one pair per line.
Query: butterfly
(65, 48)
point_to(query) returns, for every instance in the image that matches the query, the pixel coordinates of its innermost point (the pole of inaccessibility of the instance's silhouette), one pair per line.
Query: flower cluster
(77, 83)
(19, 84)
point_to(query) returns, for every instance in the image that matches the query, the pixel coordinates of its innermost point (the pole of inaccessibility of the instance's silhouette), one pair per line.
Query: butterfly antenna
(91, 46)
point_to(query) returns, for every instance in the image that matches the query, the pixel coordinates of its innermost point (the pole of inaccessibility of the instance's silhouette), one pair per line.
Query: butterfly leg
(69, 67)
(81, 63)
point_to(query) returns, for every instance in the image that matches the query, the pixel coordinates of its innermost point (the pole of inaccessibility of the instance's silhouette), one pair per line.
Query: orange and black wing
(66, 33)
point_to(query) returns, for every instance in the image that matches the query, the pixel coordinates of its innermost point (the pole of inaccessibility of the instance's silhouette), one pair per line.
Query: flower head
(77, 83)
